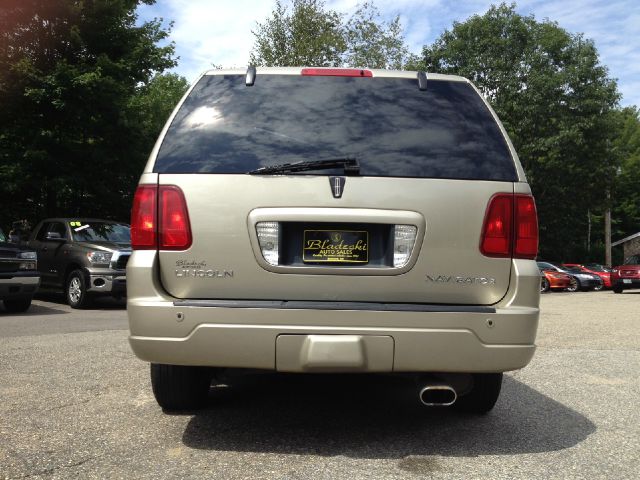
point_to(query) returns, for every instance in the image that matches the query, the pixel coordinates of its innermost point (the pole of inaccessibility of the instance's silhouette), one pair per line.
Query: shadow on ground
(97, 303)
(376, 417)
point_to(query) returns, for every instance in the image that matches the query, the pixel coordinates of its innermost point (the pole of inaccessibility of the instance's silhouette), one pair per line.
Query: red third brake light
(510, 231)
(336, 72)
(143, 218)
(159, 219)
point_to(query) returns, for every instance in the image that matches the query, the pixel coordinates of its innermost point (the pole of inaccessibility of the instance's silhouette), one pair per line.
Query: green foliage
(373, 43)
(555, 100)
(309, 35)
(312, 35)
(626, 195)
(74, 79)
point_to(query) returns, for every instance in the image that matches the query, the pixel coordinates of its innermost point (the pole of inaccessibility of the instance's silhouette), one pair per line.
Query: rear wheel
(483, 396)
(617, 290)
(17, 305)
(544, 284)
(76, 291)
(179, 387)
(574, 286)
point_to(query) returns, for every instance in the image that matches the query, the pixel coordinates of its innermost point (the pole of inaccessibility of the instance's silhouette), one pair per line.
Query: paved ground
(75, 403)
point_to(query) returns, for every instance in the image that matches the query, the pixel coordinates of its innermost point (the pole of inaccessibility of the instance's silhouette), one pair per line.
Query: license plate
(626, 280)
(335, 246)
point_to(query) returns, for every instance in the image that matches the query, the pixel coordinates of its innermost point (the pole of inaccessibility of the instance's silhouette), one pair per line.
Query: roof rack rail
(422, 80)
(251, 76)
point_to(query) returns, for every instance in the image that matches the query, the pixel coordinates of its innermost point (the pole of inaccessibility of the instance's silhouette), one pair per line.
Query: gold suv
(334, 220)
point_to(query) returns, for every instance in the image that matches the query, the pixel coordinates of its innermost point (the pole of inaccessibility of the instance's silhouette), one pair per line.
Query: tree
(555, 100)
(626, 195)
(70, 142)
(309, 35)
(373, 43)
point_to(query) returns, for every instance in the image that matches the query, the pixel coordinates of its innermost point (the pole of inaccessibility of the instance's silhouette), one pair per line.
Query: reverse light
(510, 227)
(268, 235)
(404, 238)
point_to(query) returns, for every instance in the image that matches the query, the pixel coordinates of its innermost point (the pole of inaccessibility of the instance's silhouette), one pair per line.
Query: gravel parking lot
(76, 403)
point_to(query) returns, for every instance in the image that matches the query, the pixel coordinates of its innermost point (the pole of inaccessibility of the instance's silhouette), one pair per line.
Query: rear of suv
(334, 220)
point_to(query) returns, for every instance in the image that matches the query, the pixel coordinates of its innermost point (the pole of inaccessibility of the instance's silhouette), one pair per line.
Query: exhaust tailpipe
(437, 395)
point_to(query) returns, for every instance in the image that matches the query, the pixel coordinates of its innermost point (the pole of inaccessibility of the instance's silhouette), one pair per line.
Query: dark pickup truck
(19, 276)
(83, 257)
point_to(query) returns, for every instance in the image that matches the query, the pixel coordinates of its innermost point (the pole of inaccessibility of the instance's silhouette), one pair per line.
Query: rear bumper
(329, 336)
(625, 283)
(256, 345)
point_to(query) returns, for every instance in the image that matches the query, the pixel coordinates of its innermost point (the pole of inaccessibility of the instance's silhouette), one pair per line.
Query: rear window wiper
(351, 166)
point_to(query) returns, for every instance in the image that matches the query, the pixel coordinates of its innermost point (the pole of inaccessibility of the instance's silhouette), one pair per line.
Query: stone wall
(632, 247)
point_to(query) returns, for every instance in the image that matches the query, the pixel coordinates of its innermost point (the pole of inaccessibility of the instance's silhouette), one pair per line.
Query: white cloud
(219, 32)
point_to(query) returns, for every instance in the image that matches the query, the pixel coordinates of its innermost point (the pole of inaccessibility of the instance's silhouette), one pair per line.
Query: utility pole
(607, 231)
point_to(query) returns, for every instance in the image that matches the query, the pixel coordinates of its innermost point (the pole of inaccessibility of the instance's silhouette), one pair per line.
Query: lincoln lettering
(196, 273)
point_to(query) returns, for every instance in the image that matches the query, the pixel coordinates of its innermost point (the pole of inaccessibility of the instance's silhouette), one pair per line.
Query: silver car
(334, 220)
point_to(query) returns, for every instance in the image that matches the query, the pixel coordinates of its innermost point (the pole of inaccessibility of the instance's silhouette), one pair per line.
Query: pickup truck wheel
(178, 387)
(17, 305)
(76, 291)
(483, 395)
(617, 290)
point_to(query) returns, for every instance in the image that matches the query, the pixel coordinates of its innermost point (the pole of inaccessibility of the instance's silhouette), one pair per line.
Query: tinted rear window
(388, 124)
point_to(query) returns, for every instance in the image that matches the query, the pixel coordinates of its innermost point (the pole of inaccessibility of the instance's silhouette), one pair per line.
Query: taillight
(159, 219)
(174, 228)
(336, 72)
(510, 227)
(144, 219)
(526, 228)
(497, 231)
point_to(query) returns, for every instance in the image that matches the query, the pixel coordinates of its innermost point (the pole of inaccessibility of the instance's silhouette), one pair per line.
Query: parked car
(580, 280)
(598, 270)
(553, 280)
(627, 275)
(19, 276)
(82, 257)
(281, 224)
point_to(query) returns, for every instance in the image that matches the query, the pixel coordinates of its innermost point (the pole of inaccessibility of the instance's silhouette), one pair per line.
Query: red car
(594, 269)
(627, 275)
(552, 280)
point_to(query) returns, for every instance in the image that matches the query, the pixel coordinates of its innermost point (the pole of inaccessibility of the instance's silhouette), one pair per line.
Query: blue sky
(210, 32)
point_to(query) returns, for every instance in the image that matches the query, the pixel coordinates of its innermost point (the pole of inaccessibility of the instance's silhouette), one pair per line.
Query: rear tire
(544, 285)
(483, 396)
(617, 290)
(17, 305)
(179, 387)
